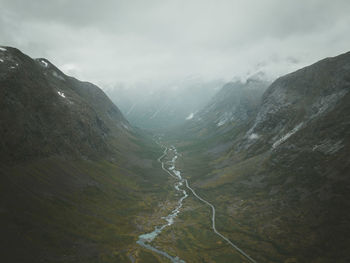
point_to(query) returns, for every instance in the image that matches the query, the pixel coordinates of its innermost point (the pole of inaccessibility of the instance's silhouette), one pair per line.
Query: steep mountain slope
(235, 104)
(280, 180)
(77, 181)
(44, 112)
(302, 99)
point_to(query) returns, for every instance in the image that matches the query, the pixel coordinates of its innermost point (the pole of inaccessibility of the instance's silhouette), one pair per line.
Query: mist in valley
(175, 131)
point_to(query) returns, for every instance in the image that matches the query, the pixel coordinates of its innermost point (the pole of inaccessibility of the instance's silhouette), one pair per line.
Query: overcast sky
(112, 41)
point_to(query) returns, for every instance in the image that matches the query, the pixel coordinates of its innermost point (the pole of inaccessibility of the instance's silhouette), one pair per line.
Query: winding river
(145, 239)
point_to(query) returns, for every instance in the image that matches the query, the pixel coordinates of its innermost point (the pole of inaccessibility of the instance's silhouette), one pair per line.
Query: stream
(145, 239)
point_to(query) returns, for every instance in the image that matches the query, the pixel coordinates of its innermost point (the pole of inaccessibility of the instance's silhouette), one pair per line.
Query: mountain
(277, 166)
(76, 180)
(234, 105)
(44, 112)
(166, 107)
(78, 183)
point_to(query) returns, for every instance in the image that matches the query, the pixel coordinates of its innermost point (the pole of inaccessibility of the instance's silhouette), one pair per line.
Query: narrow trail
(146, 239)
(214, 226)
(213, 219)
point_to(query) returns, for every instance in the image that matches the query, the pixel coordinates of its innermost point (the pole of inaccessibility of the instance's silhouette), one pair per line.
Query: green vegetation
(78, 211)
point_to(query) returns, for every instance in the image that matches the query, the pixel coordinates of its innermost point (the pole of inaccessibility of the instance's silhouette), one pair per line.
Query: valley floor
(265, 226)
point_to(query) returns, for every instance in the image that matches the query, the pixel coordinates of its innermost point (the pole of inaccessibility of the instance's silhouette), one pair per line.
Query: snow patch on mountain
(61, 94)
(287, 136)
(3, 49)
(221, 122)
(225, 117)
(253, 136)
(189, 117)
(44, 63)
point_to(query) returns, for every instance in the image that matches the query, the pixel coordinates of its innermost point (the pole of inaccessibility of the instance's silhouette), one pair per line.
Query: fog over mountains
(174, 131)
(258, 152)
(165, 107)
(159, 42)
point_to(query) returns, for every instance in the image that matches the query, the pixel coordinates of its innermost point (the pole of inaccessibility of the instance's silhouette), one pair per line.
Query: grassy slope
(272, 205)
(56, 210)
(191, 237)
(284, 205)
(76, 179)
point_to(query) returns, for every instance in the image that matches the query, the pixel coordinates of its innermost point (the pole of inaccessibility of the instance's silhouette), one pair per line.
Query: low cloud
(158, 42)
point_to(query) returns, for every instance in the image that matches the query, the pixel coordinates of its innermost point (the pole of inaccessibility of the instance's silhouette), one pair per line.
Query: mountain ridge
(282, 176)
(81, 117)
(76, 179)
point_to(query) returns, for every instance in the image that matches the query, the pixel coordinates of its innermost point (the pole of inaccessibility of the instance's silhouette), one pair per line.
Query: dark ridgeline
(281, 159)
(44, 112)
(72, 169)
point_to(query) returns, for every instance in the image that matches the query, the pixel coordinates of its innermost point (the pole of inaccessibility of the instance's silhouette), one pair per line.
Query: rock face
(43, 112)
(73, 173)
(288, 159)
(229, 111)
(235, 103)
(303, 98)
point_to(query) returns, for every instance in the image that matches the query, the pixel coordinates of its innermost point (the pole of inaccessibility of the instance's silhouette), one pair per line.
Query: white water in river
(147, 238)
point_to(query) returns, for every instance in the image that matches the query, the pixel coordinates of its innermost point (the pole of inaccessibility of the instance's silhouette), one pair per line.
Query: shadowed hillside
(279, 176)
(75, 177)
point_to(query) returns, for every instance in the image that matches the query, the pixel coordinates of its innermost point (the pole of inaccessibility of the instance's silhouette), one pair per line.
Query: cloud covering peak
(163, 41)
